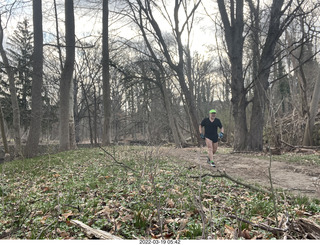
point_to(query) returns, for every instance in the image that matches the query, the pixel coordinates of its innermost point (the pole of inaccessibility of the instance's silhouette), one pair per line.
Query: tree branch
(273, 230)
(225, 175)
(116, 161)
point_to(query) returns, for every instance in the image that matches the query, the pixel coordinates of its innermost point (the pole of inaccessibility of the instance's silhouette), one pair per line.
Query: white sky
(87, 24)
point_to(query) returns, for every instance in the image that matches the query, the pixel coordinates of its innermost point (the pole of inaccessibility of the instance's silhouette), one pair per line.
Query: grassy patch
(298, 158)
(143, 194)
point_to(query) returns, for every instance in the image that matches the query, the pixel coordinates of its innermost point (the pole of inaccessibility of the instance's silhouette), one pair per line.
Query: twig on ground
(46, 228)
(265, 227)
(116, 161)
(301, 146)
(225, 175)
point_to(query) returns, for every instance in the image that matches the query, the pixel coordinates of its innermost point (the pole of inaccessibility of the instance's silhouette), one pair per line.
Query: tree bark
(84, 92)
(167, 104)
(66, 77)
(314, 105)
(13, 93)
(234, 39)
(261, 83)
(72, 130)
(37, 81)
(3, 133)
(106, 137)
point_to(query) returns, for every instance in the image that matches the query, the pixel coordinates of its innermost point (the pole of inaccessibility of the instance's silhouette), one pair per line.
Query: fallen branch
(116, 161)
(8, 233)
(301, 146)
(225, 175)
(307, 228)
(273, 230)
(295, 229)
(46, 228)
(94, 233)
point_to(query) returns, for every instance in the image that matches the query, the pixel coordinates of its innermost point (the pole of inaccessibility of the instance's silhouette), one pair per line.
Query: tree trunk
(179, 69)
(13, 93)
(167, 103)
(84, 92)
(255, 141)
(72, 130)
(190, 103)
(314, 105)
(239, 104)
(106, 137)
(95, 117)
(261, 83)
(234, 40)
(3, 133)
(66, 77)
(37, 80)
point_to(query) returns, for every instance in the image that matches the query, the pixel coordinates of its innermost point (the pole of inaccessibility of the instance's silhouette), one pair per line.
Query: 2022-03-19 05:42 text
(151, 241)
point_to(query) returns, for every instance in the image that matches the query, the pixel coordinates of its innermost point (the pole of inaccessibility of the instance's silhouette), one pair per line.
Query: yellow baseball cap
(212, 111)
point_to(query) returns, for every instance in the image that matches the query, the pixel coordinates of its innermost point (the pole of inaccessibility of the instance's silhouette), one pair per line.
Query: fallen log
(94, 233)
(301, 147)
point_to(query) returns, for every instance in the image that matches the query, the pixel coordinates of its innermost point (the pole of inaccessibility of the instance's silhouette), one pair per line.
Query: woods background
(149, 71)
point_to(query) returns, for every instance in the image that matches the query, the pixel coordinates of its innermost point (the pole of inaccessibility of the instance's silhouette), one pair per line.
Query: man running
(210, 134)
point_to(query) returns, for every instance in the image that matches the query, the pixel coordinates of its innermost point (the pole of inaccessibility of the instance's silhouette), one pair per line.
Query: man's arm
(221, 133)
(200, 129)
(201, 132)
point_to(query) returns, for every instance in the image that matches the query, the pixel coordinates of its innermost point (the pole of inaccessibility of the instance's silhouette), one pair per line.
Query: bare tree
(233, 28)
(13, 93)
(106, 137)
(3, 133)
(145, 13)
(301, 54)
(314, 105)
(66, 76)
(264, 53)
(37, 80)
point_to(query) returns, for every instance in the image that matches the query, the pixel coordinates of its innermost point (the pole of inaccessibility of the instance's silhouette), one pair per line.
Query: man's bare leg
(214, 148)
(210, 146)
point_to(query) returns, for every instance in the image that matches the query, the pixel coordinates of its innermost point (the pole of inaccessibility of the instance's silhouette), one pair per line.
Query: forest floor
(153, 192)
(291, 173)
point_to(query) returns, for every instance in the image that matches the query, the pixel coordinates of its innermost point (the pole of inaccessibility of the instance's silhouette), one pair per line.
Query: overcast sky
(88, 22)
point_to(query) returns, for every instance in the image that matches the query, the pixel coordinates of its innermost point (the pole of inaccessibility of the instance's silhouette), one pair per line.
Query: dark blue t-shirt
(211, 128)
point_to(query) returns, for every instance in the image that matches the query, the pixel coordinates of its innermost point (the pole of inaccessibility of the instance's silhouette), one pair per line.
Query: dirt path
(300, 179)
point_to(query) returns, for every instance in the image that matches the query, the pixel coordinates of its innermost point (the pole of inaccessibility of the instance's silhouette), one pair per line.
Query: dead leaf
(131, 180)
(169, 221)
(67, 215)
(45, 189)
(245, 234)
(170, 203)
(63, 234)
(126, 218)
(183, 224)
(168, 235)
(104, 212)
(43, 220)
(229, 231)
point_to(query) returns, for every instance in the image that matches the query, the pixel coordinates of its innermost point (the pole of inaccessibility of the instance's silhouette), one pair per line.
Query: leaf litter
(158, 200)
